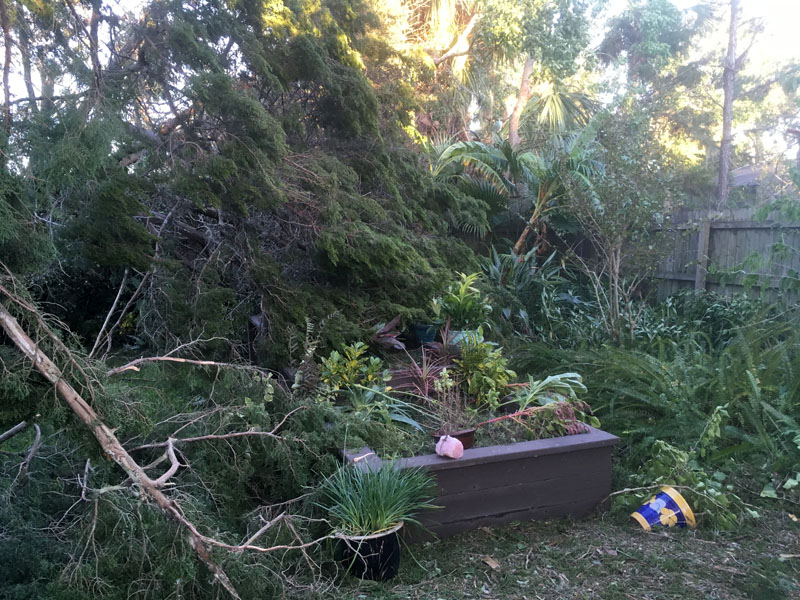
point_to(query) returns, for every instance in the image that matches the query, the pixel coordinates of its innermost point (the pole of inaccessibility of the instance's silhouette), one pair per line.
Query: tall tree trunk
(46, 83)
(522, 99)
(728, 80)
(25, 54)
(462, 43)
(530, 226)
(6, 25)
(94, 45)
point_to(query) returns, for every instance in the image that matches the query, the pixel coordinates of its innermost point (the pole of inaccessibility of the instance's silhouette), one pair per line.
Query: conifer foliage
(233, 158)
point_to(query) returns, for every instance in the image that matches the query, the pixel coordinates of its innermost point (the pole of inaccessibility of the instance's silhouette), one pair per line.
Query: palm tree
(554, 110)
(497, 173)
(566, 158)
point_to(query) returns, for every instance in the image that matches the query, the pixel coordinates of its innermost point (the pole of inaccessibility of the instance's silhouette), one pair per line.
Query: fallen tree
(115, 451)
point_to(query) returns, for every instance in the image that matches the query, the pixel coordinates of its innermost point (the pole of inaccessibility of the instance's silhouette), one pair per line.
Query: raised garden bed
(542, 479)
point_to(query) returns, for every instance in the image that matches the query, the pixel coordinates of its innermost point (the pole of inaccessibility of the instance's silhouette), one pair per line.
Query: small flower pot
(465, 436)
(375, 556)
(667, 508)
(424, 332)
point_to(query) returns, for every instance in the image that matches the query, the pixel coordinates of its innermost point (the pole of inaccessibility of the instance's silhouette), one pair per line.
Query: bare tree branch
(23, 468)
(462, 44)
(134, 364)
(221, 436)
(110, 312)
(173, 467)
(13, 431)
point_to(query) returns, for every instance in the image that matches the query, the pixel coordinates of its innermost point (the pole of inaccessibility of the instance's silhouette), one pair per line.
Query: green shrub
(463, 304)
(483, 370)
(352, 366)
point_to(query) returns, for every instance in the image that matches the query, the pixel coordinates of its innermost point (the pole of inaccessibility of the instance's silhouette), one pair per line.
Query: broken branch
(23, 468)
(13, 431)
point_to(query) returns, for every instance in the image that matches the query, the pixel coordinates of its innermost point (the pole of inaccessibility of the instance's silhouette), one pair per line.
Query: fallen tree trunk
(108, 441)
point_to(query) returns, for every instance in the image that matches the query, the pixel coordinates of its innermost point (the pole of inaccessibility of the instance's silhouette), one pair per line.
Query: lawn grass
(602, 557)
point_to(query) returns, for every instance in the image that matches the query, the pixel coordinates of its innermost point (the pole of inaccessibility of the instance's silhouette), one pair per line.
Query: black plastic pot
(424, 332)
(375, 556)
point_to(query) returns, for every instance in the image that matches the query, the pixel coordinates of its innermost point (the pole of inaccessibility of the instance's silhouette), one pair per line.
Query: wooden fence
(727, 251)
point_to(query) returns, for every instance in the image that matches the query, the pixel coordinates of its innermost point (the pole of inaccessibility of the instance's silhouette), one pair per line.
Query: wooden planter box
(543, 479)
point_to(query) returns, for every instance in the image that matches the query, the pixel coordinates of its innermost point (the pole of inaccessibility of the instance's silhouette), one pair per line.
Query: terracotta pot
(465, 436)
(375, 556)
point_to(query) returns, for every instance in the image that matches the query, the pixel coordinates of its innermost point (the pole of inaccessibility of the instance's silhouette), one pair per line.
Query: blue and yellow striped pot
(666, 509)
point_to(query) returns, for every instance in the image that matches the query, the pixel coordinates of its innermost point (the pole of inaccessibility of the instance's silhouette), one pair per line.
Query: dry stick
(110, 312)
(220, 436)
(261, 531)
(23, 468)
(85, 481)
(134, 364)
(13, 431)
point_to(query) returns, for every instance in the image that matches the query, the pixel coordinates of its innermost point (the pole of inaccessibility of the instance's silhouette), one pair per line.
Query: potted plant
(367, 508)
(463, 305)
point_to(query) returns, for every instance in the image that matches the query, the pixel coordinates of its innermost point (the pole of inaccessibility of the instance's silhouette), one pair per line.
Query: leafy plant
(554, 419)
(374, 403)
(422, 375)
(526, 291)
(386, 335)
(463, 304)
(555, 388)
(710, 496)
(363, 501)
(352, 366)
(484, 370)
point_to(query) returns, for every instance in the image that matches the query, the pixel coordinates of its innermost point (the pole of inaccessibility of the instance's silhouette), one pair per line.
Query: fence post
(701, 268)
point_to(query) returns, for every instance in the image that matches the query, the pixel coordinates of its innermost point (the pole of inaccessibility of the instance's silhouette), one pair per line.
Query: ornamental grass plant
(364, 501)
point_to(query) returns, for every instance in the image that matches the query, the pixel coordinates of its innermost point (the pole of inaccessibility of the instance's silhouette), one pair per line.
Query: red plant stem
(520, 413)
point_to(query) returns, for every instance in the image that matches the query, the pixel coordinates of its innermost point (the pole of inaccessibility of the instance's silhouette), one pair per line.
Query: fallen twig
(252, 432)
(110, 312)
(134, 364)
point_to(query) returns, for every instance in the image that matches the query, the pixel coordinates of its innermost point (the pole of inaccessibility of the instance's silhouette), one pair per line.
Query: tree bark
(728, 81)
(6, 25)
(462, 44)
(522, 99)
(25, 55)
(519, 246)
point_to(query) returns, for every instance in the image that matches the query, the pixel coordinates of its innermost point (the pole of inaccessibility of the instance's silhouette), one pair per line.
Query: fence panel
(729, 251)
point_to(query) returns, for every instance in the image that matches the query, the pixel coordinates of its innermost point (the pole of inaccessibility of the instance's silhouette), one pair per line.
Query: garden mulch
(603, 557)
